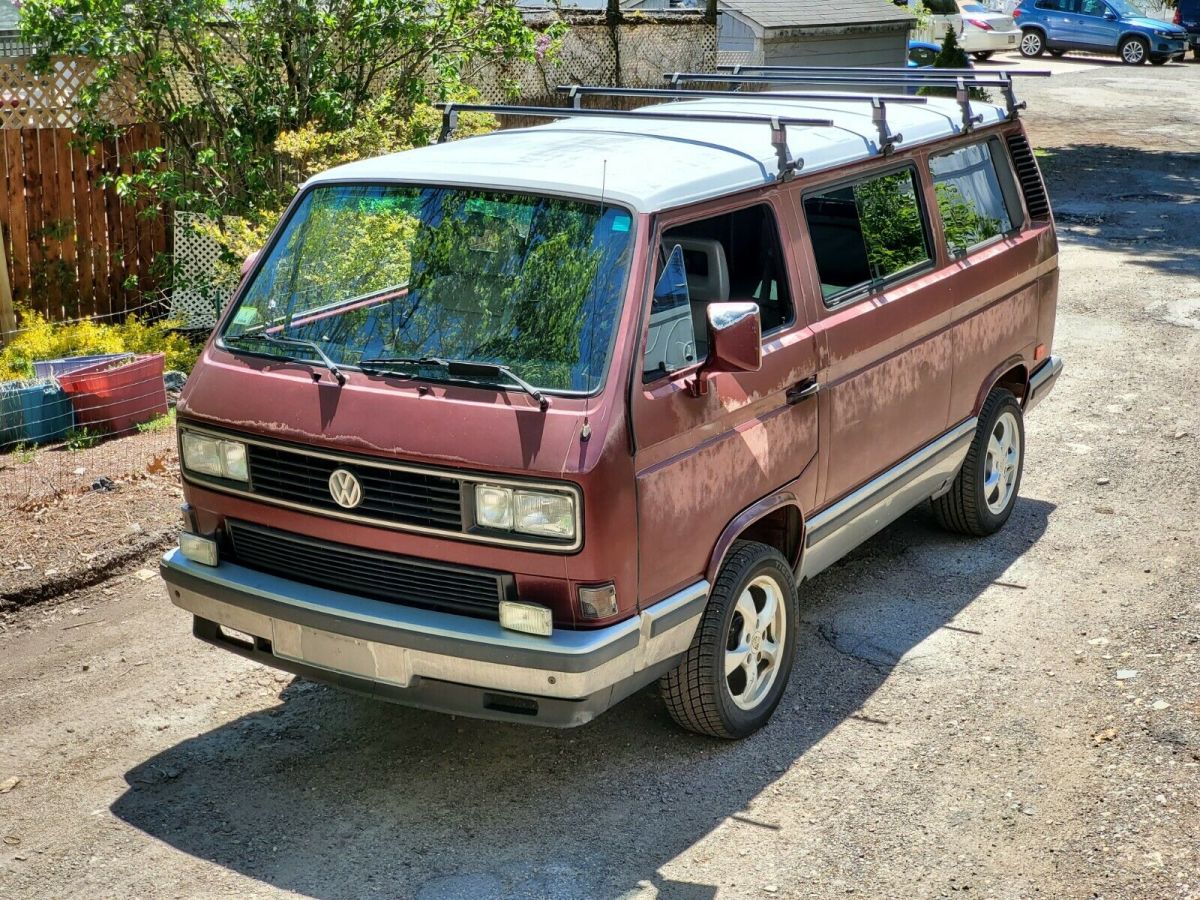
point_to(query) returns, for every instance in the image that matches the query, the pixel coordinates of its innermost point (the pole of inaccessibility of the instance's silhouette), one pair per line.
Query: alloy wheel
(1031, 44)
(1001, 463)
(1133, 52)
(757, 635)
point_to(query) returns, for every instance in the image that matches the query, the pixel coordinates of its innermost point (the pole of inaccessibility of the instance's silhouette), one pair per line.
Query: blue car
(921, 54)
(1097, 26)
(1187, 17)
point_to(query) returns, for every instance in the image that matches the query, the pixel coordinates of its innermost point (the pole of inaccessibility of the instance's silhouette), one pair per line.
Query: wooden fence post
(8, 315)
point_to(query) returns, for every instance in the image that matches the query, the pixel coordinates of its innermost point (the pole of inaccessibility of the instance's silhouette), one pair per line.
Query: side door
(1098, 24)
(1056, 16)
(882, 310)
(702, 459)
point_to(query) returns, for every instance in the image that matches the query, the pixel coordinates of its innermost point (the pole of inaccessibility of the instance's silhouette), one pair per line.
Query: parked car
(1097, 26)
(515, 425)
(921, 54)
(1187, 16)
(980, 31)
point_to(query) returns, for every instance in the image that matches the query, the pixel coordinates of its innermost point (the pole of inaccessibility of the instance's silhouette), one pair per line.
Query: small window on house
(970, 198)
(866, 233)
(735, 256)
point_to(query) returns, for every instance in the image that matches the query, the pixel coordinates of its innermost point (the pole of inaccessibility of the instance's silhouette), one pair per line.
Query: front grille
(367, 573)
(1031, 179)
(391, 495)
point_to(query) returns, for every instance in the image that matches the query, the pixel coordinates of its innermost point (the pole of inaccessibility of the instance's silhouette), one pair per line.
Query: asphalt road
(961, 722)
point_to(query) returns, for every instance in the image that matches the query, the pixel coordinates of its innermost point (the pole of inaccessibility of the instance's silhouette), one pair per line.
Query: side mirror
(249, 262)
(734, 342)
(1111, 16)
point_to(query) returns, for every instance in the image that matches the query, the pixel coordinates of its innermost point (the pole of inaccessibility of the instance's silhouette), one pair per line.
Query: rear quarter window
(971, 200)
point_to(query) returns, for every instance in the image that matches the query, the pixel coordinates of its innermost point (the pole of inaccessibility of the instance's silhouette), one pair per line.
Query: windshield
(370, 273)
(1123, 8)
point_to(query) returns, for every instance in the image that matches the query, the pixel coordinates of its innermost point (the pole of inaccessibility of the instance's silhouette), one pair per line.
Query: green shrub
(39, 339)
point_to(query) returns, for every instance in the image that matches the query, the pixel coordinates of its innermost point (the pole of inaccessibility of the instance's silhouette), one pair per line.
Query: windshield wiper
(269, 338)
(461, 368)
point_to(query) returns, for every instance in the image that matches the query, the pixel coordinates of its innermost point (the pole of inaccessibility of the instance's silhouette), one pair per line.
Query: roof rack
(788, 166)
(1000, 78)
(887, 138)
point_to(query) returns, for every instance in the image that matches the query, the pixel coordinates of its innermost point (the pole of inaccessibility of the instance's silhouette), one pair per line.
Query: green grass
(165, 422)
(82, 438)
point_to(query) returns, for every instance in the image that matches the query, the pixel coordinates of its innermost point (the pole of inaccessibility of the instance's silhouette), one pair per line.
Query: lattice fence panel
(197, 297)
(48, 100)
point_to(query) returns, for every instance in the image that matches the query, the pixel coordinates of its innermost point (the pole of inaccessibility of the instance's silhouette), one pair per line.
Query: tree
(225, 79)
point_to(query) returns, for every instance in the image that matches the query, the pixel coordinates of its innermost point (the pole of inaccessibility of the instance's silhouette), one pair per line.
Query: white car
(981, 32)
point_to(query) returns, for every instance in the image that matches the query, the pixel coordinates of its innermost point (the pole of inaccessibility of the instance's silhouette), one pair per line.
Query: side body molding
(839, 528)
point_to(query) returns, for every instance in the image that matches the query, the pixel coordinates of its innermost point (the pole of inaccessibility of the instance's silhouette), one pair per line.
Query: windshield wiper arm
(269, 338)
(465, 368)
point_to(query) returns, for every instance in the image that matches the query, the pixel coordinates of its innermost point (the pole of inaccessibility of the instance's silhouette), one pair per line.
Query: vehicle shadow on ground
(1143, 201)
(332, 795)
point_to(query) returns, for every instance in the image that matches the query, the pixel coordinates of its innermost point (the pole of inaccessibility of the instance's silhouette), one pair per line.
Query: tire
(1033, 43)
(1058, 53)
(985, 491)
(699, 695)
(1134, 51)
(982, 55)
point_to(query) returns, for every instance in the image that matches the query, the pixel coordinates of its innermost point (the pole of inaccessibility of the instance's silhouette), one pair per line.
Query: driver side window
(734, 256)
(1093, 8)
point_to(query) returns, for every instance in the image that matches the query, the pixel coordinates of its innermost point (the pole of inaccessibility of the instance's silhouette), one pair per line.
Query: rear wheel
(983, 495)
(1032, 43)
(740, 660)
(982, 54)
(1134, 51)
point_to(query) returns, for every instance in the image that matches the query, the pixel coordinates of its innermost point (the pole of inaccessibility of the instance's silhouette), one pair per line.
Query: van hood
(453, 425)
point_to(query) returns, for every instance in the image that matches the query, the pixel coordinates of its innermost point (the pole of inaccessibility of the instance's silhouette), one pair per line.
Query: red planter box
(114, 398)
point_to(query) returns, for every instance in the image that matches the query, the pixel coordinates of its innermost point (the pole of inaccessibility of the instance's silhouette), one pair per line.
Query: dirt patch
(71, 518)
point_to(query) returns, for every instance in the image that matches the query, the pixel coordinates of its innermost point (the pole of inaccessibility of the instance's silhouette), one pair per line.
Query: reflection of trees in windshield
(532, 283)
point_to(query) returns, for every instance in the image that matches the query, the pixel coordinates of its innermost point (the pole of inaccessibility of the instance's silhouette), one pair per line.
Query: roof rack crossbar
(788, 166)
(884, 70)
(1002, 79)
(887, 138)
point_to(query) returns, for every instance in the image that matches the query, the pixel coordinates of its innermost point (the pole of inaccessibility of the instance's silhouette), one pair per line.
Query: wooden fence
(74, 248)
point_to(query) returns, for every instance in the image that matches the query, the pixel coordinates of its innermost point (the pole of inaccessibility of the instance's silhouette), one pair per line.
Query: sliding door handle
(802, 390)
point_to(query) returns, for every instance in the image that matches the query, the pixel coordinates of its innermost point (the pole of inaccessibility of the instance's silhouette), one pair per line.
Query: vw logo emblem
(345, 489)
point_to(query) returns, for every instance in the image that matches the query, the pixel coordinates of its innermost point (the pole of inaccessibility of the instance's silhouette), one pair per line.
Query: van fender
(782, 501)
(1018, 383)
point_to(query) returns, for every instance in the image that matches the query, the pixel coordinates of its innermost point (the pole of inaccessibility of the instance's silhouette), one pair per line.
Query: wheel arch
(1012, 374)
(776, 520)
(1140, 35)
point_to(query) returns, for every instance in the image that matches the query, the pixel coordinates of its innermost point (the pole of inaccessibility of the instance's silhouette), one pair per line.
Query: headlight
(538, 513)
(212, 456)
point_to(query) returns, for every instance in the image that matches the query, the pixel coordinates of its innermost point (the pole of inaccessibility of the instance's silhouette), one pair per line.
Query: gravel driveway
(1012, 717)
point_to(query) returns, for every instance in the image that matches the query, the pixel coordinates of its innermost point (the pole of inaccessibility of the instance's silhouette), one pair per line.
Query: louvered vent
(1031, 179)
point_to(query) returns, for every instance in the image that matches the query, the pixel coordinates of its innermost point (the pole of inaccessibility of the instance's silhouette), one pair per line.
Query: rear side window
(866, 233)
(970, 199)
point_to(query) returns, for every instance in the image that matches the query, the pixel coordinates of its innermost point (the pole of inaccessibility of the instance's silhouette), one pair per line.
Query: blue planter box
(49, 368)
(33, 412)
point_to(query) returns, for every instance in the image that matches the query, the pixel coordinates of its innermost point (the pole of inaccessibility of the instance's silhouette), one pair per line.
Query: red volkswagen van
(515, 425)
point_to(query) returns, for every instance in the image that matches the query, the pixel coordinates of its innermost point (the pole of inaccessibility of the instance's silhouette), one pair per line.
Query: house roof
(658, 164)
(819, 13)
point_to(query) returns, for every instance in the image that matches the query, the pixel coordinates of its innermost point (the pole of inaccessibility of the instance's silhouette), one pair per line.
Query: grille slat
(390, 495)
(380, 576)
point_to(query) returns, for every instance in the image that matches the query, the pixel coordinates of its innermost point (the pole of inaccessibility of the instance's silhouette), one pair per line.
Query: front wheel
(1134, 51)
(984, 493)
(1032, 43)
(982, 55)
(738, 665)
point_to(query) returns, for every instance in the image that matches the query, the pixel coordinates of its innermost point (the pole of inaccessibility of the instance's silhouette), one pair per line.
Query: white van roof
(658, 164)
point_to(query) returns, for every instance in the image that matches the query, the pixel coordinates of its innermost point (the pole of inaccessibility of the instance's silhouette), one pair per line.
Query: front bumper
(1041, 382)
(429, 659)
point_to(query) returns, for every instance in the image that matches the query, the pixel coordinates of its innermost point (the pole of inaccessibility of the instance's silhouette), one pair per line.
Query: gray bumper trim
(1041, 382)
(393, 644)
